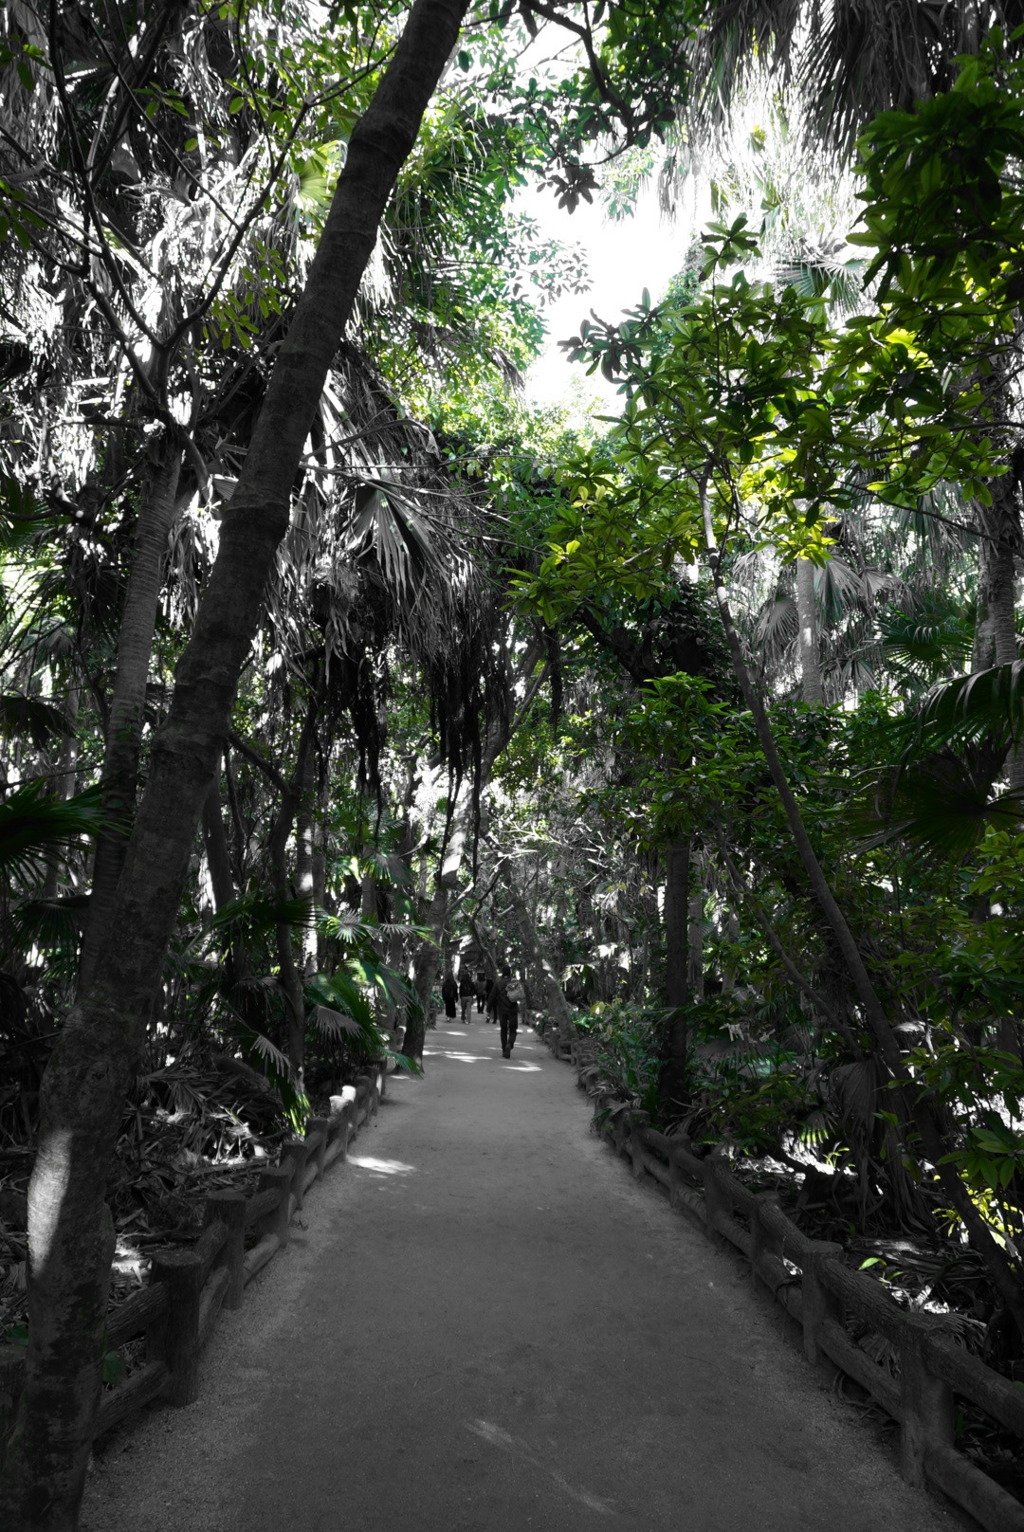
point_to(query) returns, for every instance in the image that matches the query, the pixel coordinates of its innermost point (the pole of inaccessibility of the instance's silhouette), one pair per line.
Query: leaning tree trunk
(83, 1090)
(672, 1077)
(128, 703)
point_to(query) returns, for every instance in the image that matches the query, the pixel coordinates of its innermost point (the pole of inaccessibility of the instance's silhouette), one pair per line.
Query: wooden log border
(824, 1296)
(177, 1313)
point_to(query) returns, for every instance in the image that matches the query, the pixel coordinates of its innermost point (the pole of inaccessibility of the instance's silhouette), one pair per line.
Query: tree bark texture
(672, 1078)
(807, 633)
(290, 973)
(995, 632)
(128, 703)
(83, 1092)
(218, 854)
(425, 967)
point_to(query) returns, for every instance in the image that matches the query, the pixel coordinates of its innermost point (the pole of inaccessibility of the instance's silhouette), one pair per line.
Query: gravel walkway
(482, 1324)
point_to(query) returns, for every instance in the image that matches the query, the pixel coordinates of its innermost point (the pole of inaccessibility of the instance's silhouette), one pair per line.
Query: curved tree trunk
(83, 1091)
(128, 703)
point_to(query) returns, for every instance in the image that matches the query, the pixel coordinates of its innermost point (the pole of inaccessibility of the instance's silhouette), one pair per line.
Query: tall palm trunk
(128, 703)
(83, 1090)
(807, 634)
(995, 632)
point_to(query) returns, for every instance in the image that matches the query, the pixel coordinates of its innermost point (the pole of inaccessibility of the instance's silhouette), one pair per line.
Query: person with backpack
(505, 998)
(467, 992)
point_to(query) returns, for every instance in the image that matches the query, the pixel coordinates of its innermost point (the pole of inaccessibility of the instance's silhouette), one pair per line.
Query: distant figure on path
(467, 992)
(482, 991)
(506, 997)
(450, 995)
(489, 1006)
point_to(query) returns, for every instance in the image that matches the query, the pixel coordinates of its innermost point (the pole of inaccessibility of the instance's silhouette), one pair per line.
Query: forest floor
(483, 1324)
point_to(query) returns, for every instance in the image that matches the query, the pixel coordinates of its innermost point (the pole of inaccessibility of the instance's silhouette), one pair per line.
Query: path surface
(483, 1325)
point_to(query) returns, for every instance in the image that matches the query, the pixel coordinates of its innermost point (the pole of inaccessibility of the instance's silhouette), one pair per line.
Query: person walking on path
(506, 997)
(467, 993)
(450, 995)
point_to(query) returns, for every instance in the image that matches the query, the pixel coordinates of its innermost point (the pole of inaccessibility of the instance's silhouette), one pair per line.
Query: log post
(716, 1195)
(634, 1147)
(293, 1159)
(927, 1416)
(177, 1339)
(229, 1208)
(818, 1303)
(319, 1125)
(278, 1178)
(759, 1234)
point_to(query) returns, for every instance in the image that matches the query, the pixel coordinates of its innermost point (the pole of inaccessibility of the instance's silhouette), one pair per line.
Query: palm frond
(258, 913)
(38, 831)
(51, 925)
(33, 719)
(988, 705)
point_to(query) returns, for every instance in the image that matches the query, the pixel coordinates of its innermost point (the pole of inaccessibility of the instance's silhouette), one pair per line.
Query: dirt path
(485, 1326)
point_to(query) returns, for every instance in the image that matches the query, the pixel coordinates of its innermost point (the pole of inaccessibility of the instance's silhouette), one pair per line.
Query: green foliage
(626, 1051)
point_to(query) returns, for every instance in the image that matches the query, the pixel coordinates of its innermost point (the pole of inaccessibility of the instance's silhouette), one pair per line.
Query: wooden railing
(825, 1296)
(177, 1311)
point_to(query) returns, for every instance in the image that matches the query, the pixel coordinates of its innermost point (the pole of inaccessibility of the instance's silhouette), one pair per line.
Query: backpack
(515, 991)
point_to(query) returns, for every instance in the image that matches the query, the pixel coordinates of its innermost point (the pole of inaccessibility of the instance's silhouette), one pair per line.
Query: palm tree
(847, 60)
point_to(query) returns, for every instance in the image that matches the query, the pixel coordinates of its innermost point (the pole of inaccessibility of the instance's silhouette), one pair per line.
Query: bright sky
(624, 256)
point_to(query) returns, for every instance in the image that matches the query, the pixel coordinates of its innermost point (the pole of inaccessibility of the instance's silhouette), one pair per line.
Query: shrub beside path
(482, 1324)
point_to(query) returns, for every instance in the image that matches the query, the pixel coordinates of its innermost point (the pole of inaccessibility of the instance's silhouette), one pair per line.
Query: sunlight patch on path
(496, 1436)
(381, 1167)
(448, 1053)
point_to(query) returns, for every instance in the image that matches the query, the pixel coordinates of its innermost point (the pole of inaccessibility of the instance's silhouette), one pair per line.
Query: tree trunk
(305, 856)
(555, 1002)
(83, 1090)
(215, 844)
(290, 973)
(999, 543)
(128, 703)
(695, 977)
(672, 1077)
(424, 974)
(807, 633)
(62, 782)
(428, 956)
(995, 633)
